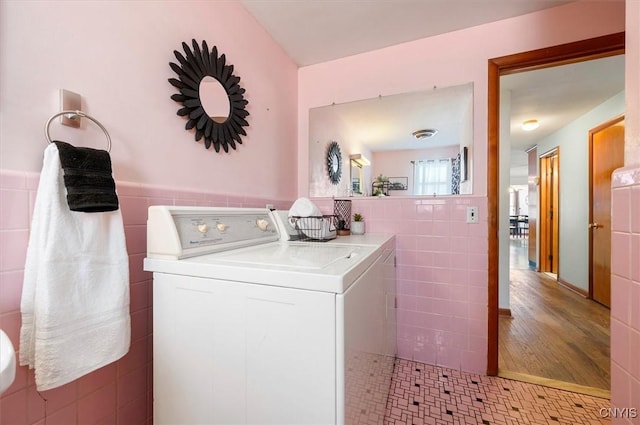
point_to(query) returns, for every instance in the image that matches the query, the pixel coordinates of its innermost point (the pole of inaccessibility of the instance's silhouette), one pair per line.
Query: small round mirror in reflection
(214, 99)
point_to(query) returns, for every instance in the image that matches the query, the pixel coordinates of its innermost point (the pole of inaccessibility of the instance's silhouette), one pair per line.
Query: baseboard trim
(504, 312)
(574, 288)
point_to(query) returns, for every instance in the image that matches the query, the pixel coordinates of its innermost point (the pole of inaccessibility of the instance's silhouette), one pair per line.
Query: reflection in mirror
(381, 130)
(214, 99)
(334, 163)
(358, 162)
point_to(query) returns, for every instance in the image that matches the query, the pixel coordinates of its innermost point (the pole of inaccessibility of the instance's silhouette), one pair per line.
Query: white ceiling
(313, 31)
(555, 97)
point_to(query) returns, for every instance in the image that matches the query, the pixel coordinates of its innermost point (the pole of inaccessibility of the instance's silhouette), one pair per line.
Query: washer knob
(262, 224)
(221, 227)
(203, 228)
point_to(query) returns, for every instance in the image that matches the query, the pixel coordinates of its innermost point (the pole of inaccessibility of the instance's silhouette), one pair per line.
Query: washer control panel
(180, 232)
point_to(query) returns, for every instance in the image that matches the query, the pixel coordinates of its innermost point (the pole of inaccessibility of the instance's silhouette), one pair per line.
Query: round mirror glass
(214, 99)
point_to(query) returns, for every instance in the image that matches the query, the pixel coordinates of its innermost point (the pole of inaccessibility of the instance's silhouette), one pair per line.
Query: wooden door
(607, 154)
(533, 205)
(549, 211)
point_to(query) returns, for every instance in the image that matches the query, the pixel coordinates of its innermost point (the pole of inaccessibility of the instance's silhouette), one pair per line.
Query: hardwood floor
(554, 333)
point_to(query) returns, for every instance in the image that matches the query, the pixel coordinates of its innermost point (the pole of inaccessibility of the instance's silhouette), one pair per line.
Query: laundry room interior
(276, 150)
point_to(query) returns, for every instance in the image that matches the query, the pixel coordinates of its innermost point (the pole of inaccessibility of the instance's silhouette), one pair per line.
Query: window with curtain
(432, 176)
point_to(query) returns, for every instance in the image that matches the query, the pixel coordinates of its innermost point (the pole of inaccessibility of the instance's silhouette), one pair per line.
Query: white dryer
(249, 329)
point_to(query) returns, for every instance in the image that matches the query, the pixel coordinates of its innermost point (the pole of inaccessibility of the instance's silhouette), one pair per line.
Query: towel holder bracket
(70, 114)
(70, 101)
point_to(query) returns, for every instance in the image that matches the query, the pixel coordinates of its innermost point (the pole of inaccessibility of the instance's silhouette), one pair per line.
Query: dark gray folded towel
(87, 177)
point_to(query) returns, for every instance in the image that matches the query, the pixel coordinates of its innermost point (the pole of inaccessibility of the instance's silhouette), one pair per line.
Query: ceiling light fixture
(425, 133)
(530, 125)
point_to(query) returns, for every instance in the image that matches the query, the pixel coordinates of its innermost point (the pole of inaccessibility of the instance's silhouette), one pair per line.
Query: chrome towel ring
(73, 114)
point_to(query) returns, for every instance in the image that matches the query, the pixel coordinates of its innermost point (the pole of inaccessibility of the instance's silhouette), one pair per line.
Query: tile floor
(424, 394)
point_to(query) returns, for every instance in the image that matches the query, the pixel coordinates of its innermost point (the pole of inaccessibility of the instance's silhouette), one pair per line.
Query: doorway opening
(574, 52)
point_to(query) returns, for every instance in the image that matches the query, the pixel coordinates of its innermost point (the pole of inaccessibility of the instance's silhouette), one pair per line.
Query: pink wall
(454, 58)
(441, 276)
(625, 291)
(450, 59)
(625, 241)
(398, 163)
(122, 74)
(116, 54)
(120, 392)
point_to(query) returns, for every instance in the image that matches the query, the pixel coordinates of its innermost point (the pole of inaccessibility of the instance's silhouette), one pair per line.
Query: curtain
(432, 177)
(456, 176)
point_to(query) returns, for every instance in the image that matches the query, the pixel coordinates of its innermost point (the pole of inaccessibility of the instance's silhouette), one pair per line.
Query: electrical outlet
(472, 214)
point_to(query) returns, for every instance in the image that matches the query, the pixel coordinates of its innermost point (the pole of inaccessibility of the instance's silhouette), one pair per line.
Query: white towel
(75, 297)
(303, 207)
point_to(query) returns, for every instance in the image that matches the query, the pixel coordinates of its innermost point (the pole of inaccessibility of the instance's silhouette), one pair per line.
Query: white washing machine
(249, 329)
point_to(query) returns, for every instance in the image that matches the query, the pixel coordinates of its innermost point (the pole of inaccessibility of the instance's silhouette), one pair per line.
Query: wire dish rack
(315, 228)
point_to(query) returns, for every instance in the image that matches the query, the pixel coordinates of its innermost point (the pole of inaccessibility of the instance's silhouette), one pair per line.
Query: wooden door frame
(599, 47)
(593, 131)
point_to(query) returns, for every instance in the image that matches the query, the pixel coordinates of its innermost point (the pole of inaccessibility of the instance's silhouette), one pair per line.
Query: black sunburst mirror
(334, 162)
(195, 65)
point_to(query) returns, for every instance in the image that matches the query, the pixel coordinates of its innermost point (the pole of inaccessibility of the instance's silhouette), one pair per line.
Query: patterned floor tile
(423, 394)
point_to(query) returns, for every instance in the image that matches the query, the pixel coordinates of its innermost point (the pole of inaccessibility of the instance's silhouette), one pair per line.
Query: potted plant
(357, 225)
(380, 186)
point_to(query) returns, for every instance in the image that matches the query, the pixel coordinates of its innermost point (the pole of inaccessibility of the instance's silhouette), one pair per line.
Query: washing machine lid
(313, 266)
(300, 255)
(242, 245)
